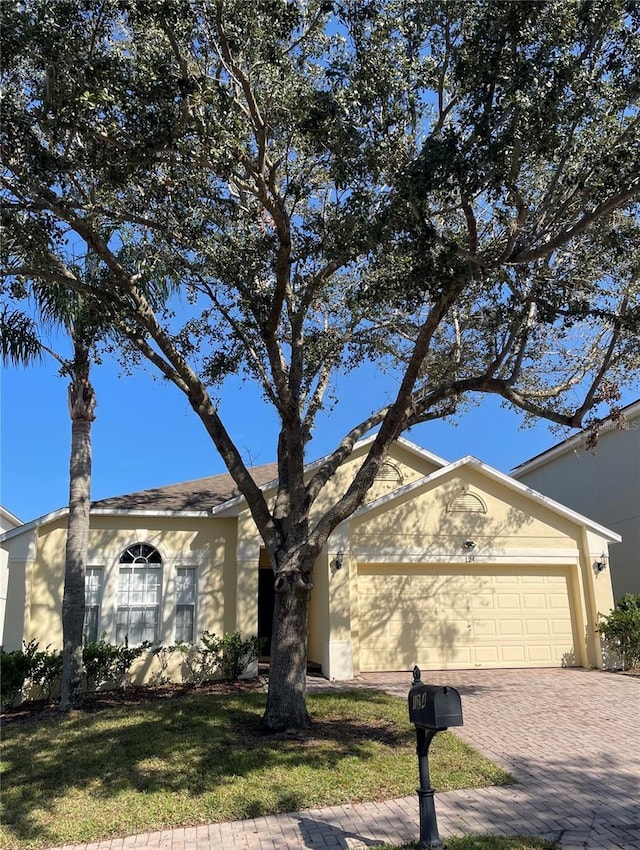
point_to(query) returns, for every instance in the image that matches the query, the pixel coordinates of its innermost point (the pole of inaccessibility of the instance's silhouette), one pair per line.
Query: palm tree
(21, 343)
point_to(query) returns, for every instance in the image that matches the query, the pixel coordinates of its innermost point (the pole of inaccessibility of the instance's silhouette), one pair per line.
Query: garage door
(453, 618)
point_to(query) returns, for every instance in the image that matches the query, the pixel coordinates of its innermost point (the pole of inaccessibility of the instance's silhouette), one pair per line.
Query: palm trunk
(82, 404)
(287, 696)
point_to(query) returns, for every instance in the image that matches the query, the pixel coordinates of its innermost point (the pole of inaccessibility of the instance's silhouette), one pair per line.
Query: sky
(145, 434)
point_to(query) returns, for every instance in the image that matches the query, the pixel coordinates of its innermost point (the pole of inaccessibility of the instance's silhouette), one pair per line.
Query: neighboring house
(448, 565)
(7, 522)
(603, 483)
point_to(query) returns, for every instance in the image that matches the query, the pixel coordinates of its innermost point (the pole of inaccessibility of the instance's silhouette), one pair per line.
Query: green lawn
(201, 758)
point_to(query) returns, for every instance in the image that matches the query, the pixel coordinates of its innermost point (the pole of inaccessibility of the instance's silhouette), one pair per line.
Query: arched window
(139, 590)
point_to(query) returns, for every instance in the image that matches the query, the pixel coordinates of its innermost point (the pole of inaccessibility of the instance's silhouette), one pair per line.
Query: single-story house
(603, 483)
(447, 565)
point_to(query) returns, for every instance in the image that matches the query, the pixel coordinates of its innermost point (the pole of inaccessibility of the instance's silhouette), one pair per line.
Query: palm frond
(19, 340)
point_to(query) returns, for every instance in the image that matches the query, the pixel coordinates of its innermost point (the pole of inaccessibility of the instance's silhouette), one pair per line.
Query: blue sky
(145, 435)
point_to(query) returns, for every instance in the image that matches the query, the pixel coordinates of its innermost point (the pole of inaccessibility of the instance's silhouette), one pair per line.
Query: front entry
(266, 601)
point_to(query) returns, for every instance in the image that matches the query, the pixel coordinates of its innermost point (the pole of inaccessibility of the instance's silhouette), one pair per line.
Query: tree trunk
(286, 709)
(82, 403)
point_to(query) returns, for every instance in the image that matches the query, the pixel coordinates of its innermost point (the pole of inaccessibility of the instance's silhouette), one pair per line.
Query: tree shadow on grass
(164, 756)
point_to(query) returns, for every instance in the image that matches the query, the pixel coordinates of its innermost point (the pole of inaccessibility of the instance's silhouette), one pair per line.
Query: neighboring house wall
(8, 521)
(603, 484)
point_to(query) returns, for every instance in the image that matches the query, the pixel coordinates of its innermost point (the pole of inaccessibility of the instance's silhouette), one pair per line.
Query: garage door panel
(487, 655)
(514, 656)
(510, 628)
(508, 602)
(453, 619)
(539, 655)
(561, 628)
(534, 601)
(487, 629)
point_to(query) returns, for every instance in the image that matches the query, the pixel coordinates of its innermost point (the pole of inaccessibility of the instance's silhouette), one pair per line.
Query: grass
(200, 758)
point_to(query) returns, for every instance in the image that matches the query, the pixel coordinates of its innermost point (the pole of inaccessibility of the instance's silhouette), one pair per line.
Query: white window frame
(186, 598)
(139, 600)
(92, 601)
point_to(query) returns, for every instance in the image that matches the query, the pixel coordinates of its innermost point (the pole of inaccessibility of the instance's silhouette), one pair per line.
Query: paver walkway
(571, 738)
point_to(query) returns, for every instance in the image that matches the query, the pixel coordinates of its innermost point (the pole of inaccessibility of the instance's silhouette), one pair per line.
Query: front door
(266, 601)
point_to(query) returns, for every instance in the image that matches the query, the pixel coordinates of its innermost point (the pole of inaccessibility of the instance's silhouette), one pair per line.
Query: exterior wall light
(602, 563)
(469, 545)
(338, 561)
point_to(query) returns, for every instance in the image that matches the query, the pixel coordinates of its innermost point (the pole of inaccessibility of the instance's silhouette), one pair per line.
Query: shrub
(16, 667)
(201, 662)
(227, 656)
(234, 653)
(46, 671)
(621, 631)
(125, 657)
(109, 664)
(98, 658)
(163, 654)
(29, 670)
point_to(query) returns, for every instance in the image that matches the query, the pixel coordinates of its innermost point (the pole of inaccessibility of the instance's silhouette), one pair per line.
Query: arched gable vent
(389, 472)
(467, 502)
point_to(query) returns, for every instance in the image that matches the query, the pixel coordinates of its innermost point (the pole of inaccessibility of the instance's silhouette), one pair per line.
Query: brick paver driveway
(571, 738)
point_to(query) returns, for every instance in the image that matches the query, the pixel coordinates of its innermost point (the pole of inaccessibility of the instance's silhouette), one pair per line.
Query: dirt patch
(635, 671)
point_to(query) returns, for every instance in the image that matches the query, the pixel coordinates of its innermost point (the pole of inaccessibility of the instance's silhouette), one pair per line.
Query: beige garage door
(454, 618)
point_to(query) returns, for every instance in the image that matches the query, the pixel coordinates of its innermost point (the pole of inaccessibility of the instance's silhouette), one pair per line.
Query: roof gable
(495, 475)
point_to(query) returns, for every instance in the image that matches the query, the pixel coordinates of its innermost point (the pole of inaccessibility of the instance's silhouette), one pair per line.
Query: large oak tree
(445, 190)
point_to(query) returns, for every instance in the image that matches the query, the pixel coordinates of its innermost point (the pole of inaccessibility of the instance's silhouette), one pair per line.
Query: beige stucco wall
(419, 523)
(37, 574)
(7, 522)
(329, 642)
(410, 466)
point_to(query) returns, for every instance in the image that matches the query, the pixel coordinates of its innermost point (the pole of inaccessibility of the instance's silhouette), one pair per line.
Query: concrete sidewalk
(571, 738)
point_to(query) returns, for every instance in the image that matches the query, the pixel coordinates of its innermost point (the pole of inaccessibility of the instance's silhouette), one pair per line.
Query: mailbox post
(432, 709)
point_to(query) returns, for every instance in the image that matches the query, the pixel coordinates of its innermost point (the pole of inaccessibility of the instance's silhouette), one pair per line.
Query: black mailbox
(434, 706)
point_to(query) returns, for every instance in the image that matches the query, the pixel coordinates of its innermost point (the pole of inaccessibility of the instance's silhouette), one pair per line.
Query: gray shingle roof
(199, 495)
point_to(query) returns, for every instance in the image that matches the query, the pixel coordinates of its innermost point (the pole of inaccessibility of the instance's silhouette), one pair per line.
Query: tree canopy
(447, 190)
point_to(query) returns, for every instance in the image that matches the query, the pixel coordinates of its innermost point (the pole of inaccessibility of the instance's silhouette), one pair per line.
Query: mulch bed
(133, 695)
(339, 730)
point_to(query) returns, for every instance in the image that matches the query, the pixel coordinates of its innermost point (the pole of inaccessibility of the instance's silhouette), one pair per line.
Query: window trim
(193, 605)
(148, 558)
(96, 568)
